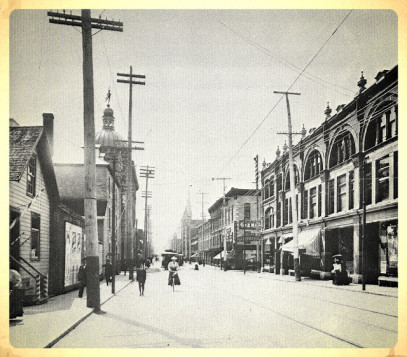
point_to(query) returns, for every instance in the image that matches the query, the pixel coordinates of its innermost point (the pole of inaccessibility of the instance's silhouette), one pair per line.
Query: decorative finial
(278, 152)
(303, 131)
(361, 84)
(108, 97)
(327, 111)
(264, 164)
(285, 147)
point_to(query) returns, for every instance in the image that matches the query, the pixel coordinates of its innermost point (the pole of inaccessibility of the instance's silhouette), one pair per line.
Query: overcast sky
(208, 105)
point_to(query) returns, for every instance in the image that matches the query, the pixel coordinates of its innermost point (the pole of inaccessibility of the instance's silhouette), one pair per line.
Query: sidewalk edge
(63, 334)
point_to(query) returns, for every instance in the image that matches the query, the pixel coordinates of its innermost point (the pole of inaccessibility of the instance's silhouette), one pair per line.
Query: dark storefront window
(278, 215)
(368, 183)
(247, 210)
(305, 205)
(351, 189)
(285, 212)
(319, 200)
(341, 193)
(313, 202)
(382, 179)
(331, 196)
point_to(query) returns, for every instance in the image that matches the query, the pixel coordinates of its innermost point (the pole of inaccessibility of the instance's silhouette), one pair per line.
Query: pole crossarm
(76, 20)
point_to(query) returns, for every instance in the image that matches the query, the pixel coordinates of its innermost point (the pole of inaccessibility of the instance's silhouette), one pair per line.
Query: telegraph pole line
(203, 219)
(224, 216)
(259, 248)
(129, 225)
(146, 195)
(147, 172)
(292, 185)
(87, 23)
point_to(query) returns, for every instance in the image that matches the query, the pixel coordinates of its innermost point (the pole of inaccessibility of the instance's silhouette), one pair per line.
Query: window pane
(313, 202)
(331, 194)
(382, 179)
(368, 184)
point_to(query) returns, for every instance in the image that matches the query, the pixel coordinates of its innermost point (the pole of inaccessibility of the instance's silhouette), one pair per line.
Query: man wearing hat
(108, 271)
(173, 267)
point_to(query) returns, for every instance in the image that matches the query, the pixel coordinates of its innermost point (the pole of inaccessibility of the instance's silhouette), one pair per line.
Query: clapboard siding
(41, 205)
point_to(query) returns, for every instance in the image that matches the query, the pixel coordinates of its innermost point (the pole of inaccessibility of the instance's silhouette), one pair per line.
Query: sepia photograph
(203, 179)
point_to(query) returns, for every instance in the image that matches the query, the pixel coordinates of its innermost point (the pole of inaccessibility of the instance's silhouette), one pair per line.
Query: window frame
(35, 236)
(31, 176)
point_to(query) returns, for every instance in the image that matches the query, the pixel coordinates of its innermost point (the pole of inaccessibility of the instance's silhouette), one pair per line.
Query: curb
(63, 334)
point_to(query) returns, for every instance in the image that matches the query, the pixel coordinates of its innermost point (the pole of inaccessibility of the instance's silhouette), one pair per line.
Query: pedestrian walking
(124, 266)
(141, 276)
(82, 277)
(108, 271)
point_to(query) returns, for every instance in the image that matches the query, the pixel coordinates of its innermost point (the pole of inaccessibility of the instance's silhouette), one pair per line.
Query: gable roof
(22, 143)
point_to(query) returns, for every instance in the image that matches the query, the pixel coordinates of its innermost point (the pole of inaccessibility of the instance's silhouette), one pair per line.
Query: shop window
(285, 212)
(279, 183)
(396, 175)
(266, 189)
(269, 218)
(319, 200)
(271, 190)
(341, 192)
(382, 179)
(382, 127)
(287, 179)
(331, 196)
(31, 176)
(342, 149)
(313, 166)
(278, 215)
(313, 202)
(35, 236)
(351, 189)
(368, 184)
(305, 206)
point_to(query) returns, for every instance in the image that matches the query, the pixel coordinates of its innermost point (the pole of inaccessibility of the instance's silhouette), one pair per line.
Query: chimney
(48, 124)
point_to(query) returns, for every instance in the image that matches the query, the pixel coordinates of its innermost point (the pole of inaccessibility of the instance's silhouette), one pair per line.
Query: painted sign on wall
(73, 252)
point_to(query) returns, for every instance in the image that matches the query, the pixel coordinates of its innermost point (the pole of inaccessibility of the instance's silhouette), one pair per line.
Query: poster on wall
(73, 252)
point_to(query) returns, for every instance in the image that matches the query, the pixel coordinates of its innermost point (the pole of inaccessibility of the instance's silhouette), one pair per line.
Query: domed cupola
(107, 136)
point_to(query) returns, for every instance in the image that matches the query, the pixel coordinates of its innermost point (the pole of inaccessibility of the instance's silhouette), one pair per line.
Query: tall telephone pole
(92, 249)
(130, 204)
(147, 172)
(203, 220)
(146, 195)
(292, 190)
(224, 216)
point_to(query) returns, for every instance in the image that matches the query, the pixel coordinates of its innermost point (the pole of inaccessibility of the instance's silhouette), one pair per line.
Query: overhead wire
(292, 84)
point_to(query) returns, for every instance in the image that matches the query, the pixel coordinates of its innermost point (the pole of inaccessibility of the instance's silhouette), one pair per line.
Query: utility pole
(259, 249)
(147, 172)
(92, 245)
(129, 225)
(146, 195)
(224, 216)
(203, 221)
(292, 190)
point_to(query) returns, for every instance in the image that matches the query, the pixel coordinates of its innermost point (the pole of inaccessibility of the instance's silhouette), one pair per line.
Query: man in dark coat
(108, 271)
(141, 277)
(82, 277)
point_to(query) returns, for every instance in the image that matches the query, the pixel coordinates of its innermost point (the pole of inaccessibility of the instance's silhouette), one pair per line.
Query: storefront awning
(284, 237)
(196, 255)
(308, 240)
(221, 254)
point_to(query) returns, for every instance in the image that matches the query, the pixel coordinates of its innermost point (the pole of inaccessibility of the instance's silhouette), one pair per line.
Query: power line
(282, 60)
(292, 84)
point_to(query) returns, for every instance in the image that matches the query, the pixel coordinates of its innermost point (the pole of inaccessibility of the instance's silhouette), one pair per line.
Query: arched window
(287, 178)
(269, 218)
(313, 166)
(383, 126)
(342, 149)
